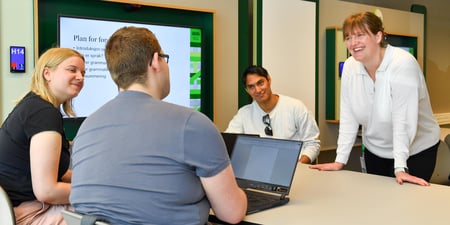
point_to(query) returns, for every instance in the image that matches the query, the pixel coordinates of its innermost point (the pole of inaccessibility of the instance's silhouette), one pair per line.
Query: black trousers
(419, 165)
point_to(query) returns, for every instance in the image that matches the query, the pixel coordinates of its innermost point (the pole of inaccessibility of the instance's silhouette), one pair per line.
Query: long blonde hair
(51, 59)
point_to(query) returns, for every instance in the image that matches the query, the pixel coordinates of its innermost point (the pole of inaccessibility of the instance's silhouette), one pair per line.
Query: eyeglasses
(268, 130)
(165, 56)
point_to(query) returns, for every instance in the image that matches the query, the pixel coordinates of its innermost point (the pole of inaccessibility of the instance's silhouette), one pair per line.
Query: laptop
(264, 168)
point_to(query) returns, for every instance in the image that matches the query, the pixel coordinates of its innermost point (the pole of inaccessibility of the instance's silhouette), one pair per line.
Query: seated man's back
(138, 159)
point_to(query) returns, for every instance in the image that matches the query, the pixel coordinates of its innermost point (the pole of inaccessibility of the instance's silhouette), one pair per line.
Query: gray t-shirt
(138, 160)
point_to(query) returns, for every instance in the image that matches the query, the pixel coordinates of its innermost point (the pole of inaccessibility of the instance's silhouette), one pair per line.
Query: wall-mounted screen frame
(408, 43)
(47, 30)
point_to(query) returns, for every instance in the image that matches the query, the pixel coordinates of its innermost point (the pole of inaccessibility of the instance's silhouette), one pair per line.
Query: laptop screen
(230, 140)
(265, 160)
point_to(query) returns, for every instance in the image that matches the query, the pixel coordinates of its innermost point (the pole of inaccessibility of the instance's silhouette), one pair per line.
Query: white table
(346, 197)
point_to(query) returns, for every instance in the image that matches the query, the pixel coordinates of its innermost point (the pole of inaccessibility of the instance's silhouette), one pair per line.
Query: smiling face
(364, 35)
(258, 87)
(363, 45)
(66, 80)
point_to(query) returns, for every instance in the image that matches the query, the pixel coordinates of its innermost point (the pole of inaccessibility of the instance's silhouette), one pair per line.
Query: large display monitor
(89, 36)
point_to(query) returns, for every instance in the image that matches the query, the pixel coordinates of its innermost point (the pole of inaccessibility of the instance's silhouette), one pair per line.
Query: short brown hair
(254, 69)
(365, 21)
(128, 53)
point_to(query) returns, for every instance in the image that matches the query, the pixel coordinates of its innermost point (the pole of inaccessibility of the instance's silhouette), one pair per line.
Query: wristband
(400, 169)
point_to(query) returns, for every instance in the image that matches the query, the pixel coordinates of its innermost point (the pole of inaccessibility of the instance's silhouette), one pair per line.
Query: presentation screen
(89, 36)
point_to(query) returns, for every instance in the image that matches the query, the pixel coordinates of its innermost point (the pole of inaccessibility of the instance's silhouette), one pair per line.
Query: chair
(442, 167)
(447, 141)
(74, 218)
(7, 216)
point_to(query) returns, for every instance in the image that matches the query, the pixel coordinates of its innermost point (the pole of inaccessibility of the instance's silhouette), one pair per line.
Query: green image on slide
(195, 68)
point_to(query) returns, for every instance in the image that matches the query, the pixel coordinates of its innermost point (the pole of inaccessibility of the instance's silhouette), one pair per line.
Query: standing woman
(34, 153)
(384, 90)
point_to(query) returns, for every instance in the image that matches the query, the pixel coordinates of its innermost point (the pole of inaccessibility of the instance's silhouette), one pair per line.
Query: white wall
(289, 48)
(16, 28)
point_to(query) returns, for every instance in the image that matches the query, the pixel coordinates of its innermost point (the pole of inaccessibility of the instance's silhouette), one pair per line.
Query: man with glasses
(275, 115)
(140, 160)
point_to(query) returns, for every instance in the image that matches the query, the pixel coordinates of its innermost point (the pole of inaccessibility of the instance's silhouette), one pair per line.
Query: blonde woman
(34, 153)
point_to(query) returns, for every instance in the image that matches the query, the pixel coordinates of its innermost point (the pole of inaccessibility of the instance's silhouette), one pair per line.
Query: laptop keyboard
(258, 201)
